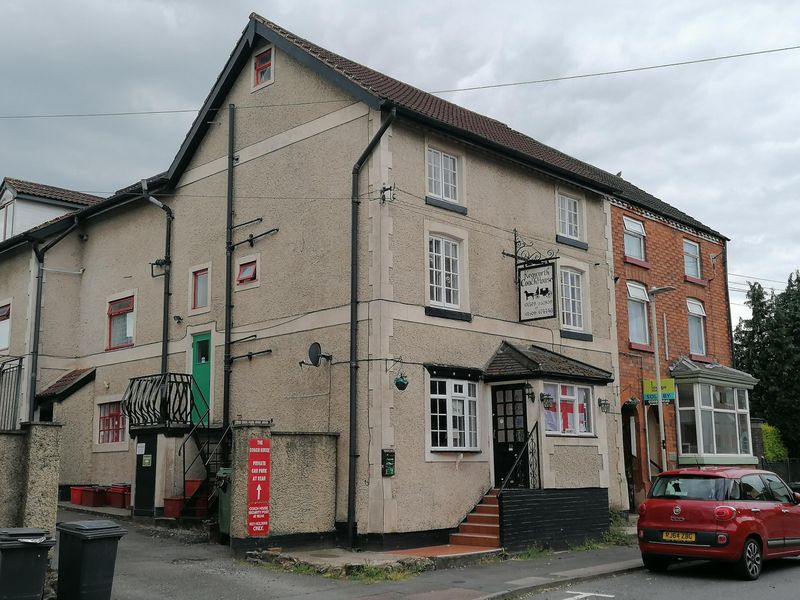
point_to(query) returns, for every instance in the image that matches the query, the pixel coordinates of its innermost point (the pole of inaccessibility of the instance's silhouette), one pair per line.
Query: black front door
(144, 496)
(510, 431)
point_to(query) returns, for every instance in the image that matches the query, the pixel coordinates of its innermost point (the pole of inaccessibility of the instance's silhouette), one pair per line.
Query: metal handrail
(534, 431)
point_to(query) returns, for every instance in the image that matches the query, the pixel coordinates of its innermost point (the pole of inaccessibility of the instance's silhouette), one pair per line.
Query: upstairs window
(697, 318)
(571, 299)
(569, 218)
(443, 272)
(691, 259)
(111, 427)
(5, 326)
(200, 288)
(120, 323)
(637, 313)
(453, 415)
(634, 238)
(442, 175)
(262, 69)
(247, 272)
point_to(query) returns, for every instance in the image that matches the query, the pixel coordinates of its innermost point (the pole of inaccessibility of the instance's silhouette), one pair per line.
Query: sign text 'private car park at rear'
(258, 474)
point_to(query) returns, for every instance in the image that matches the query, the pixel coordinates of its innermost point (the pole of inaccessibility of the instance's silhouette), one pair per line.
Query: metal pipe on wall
(226, 368)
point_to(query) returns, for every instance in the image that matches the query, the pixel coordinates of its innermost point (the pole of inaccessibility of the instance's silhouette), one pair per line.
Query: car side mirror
(796, 498)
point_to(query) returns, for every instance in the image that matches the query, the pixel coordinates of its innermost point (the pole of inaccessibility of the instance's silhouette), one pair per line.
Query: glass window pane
(584, 406)
(705, 395)
(697, 344)
(725, 434)
(688, 425)
(634, 246)
(685, 395)
(723, 397)
(637, 322)
(741, 399)
(744, 434)
(708, 431)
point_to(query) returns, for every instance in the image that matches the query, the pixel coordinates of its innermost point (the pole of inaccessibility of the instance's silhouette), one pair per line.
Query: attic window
(262, 69)
(247, 272)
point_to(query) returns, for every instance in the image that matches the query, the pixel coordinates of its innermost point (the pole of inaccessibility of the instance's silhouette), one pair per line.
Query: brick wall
(664, 266)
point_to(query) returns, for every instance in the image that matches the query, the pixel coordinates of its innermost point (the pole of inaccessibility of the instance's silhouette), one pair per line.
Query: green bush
(774, 450)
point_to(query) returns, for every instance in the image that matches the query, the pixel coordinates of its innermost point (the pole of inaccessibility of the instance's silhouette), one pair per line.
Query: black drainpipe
(351, 470)
(227, 363)
(37, 314)
(166, 264)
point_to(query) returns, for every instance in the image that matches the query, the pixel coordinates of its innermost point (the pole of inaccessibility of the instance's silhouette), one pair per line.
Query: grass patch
(533, 552)
(586, 545)
(373, 574)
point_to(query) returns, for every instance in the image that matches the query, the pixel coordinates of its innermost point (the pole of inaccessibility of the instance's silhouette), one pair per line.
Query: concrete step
(474, 539)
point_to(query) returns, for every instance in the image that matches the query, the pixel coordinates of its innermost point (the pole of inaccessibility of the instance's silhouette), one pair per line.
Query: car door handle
(755, 510)
(784, 510)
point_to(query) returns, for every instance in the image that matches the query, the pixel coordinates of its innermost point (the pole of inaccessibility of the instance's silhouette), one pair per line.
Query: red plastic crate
(115, 498)
(173, 507)
(93, 496)
(75, 492)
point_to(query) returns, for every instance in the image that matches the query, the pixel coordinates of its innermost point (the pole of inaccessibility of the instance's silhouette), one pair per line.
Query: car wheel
(655, 564)
(751, 561)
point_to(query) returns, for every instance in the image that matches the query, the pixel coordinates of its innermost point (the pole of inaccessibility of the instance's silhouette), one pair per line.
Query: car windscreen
(689, 487)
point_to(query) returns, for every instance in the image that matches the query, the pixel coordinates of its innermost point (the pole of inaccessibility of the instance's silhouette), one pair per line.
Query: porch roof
(533, 362)
(65, 385)
(689, 371)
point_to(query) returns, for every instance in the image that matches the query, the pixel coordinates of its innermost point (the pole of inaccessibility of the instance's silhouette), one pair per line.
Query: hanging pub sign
(537, 296)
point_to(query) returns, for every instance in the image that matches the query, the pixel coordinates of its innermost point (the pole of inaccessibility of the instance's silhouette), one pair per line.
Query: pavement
(155, 562)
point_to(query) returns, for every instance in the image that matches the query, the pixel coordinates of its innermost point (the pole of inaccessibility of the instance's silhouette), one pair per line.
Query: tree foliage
(774, 450)
(768, 347)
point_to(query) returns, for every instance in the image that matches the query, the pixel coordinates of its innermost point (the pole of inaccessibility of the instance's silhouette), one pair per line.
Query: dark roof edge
(74, 386)
(585, 364)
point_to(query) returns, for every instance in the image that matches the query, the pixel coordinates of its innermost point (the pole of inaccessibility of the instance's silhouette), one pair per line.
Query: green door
(201, 371)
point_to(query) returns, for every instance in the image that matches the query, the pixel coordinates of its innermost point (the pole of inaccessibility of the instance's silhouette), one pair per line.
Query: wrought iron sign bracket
(527, 255)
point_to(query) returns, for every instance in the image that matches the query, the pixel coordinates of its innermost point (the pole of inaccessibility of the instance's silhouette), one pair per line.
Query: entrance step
(471, 539)
(481, 527)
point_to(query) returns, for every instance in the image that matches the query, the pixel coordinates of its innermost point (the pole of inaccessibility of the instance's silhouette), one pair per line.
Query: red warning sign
(258, 473)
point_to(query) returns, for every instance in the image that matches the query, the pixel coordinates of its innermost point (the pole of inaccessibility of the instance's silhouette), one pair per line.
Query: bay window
(713, 419)
(453, 415)
(570, 409)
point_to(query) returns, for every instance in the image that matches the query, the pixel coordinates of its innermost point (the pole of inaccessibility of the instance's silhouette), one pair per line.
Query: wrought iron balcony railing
(170, 400)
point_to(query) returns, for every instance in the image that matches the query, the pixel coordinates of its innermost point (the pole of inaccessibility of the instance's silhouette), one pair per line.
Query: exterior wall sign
(650, 391)
(258, 474)
(537, 295)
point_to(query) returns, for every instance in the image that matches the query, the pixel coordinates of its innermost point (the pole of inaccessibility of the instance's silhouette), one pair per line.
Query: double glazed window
(453, 415)
(637, 313)
(697, 328)
(570, 409)
(571, 299)
(442, 175)
(111, 427)
(443, 272)
(121, 323)
(691, 259)
(247, 272)
(262, 68)
(569, 217)
(5, 326)
(200, 288)
(713, 419)
(634, 238)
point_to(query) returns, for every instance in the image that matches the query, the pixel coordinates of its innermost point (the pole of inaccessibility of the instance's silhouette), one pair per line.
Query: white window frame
(190, 303)
(440, 270)
(547, 387)
(563, 226)
(697, 314)
(698, 408)
(114, 298)
(692, 256)
(456, 390)
(5, 325)
(637, 294)
(435, 157)
(634, 230)
(253, 86)
(564, 298)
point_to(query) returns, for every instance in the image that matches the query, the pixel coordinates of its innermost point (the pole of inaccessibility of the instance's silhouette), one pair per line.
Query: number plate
(677, 536)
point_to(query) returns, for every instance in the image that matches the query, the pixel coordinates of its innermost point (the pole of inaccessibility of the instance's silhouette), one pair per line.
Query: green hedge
(774, 450)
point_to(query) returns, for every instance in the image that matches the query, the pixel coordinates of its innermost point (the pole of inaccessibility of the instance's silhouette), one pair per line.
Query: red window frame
(111, 425)
(115, 309)
(5, 315)
(260, 67)
(195, 276)
(243, 276)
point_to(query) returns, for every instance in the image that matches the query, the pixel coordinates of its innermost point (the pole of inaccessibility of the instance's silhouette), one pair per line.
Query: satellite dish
(314, 353)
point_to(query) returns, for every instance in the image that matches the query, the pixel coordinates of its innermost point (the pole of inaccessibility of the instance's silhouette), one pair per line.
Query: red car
(733, 514)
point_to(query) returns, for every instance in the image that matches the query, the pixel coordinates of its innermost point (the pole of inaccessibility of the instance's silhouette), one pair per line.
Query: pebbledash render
(456, 388)
(705, 407)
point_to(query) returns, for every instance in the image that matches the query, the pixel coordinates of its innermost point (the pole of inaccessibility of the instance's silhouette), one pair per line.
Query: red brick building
(705, 407)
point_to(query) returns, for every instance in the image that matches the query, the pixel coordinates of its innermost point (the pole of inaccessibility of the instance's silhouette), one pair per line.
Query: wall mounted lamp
(546, 399)
(604, 404)
(529, 392)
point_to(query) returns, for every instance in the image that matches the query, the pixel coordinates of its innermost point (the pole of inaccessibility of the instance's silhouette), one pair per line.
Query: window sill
(641, 347)
(576, 335)
(717, 459)
(701, 358)
(446, 205)
(447, 313)
(568, 241)
(111, 447)
(695, 280)
(571, 435)
(637, 261)
(455, 451)
(119, 347)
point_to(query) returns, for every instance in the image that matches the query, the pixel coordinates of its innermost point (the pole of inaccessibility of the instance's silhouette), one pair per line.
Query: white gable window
(697, 318)
(442, 175)
(691, 259)
(569, 217)
(263, 68)
(634, 238)
(453, 415)
(571, 299)
(637, 313)
(443, 272)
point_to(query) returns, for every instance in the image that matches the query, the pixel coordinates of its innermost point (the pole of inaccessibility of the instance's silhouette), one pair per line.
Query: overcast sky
(720, 141)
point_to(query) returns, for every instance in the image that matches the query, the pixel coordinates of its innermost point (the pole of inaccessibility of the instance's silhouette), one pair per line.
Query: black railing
(531, 450)
(10, 386)
(162, 400)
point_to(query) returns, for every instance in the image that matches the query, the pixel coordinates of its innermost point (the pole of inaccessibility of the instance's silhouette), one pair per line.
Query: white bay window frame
(453, 415)
(571, 396)
(707, 410)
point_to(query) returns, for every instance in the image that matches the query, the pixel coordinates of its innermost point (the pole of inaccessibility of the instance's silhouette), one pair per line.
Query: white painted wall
(28, 214)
